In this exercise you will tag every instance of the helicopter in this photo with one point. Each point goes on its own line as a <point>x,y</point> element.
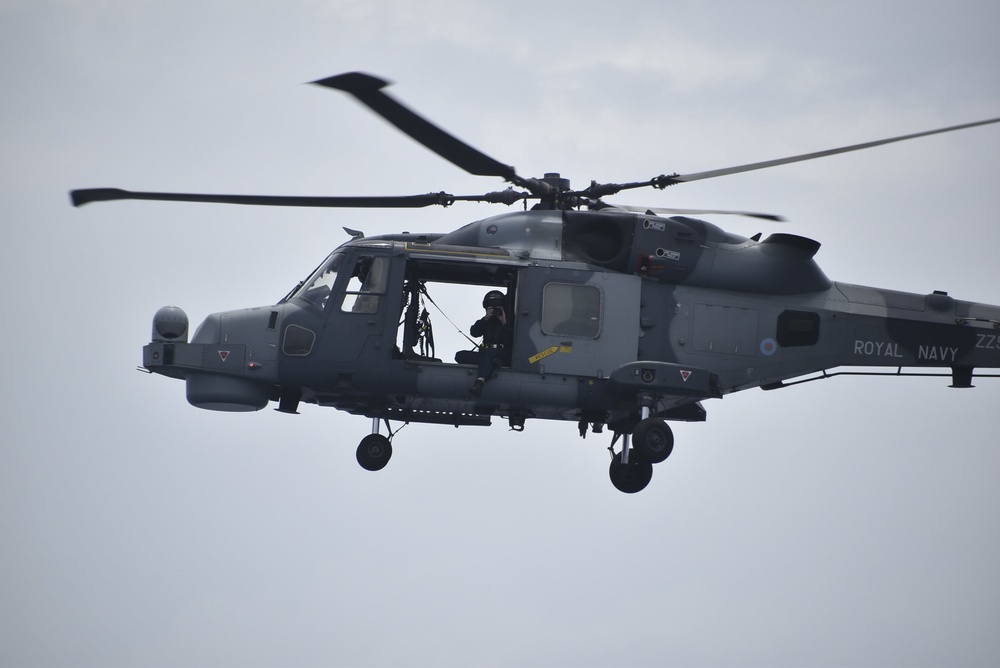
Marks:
<point>618,318</point>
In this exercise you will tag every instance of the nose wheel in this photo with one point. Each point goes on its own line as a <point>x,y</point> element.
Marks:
<point>375,449</point>
<point>374,452</point>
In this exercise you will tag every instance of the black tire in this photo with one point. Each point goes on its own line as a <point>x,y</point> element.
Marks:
<point>374,452</point>
<point>632,477</point>
<point>653,440</point>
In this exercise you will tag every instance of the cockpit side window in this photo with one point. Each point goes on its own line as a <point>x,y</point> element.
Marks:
<point>316,289</point>
<point>367,285</point>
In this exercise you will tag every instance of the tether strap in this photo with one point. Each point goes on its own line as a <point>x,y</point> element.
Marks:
<point>423,289</point>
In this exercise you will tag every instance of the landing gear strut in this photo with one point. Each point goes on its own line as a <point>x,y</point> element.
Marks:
<point>375,449</point>
<point>652,441</point>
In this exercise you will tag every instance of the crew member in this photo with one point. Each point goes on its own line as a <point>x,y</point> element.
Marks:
<point>495,328</point>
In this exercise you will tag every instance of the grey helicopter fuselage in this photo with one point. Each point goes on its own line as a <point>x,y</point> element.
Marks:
<point>611,311</point>
<point>609,317</point>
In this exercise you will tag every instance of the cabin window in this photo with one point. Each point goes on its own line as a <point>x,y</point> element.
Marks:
<point>798,328</point>
<point>366,285</point>
<point>570,309</point>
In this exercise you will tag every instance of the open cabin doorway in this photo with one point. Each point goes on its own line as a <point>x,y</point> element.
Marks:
<point>448,296</point>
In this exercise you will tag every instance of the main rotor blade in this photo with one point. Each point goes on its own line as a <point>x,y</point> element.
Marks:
<point>663,181</point>
<point>81,197</point>
<point>368,90</point>
<point>700,212</point>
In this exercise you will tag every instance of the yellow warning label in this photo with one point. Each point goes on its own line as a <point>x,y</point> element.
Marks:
<point>542,355</point>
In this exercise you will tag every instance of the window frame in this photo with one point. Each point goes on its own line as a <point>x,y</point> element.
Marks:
<point>580,312</point>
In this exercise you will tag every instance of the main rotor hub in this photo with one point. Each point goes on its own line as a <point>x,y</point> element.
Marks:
<point>556,181</point>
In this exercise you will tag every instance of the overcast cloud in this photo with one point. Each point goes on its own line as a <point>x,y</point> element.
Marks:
<point>843,522</point>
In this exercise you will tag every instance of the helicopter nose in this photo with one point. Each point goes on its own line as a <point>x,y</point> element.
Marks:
<point>231,362</point>
<point>251,332</point>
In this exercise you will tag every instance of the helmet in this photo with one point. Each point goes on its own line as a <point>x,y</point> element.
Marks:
<point>493,298</point>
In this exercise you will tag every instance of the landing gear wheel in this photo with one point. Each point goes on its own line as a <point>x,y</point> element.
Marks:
<point>632,477</point>
<point>374,452</point>
<point>653,440</point>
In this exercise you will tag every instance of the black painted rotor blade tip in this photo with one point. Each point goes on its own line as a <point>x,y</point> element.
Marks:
<point>88,195</point>
<point>352,81</point>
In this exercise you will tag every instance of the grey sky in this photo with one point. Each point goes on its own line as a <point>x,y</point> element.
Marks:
<point>844,522</point>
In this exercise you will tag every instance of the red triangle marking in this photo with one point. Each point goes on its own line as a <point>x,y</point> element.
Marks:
<point>223,354</point>
<point>685,375</point>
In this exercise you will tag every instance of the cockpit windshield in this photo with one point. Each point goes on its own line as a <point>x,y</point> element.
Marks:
<point>316,289</point>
